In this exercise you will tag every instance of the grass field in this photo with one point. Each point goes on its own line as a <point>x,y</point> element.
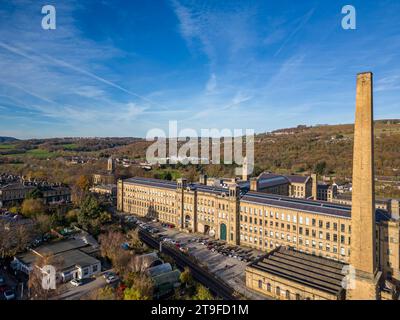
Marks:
<point>7,146</point>
<point>41,153</point>
<point>70,146</point>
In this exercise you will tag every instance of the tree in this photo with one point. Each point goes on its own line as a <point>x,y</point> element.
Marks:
<point>141,289</point>
<point>106,293</point>
<point>202,293</point>
<point>134,294</point>
<point>32,207</point>
<point>90,214</point>
<point>320,167</point>
<point>134,240</point>
<point>35,283</point>
<point>80,189</point>
<point>110,247</point>
<point>83,183</point>
<point>14,238</point>
<point>34,194</point>
<point>72,216</point>
<point>43,223</point>
<point>186,277</point>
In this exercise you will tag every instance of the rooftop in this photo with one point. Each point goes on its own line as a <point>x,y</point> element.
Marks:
<point>60,246</point>
<point>306,205</point>
<point>315,272</point>
<point>67,254</point>
<point>285,202</point>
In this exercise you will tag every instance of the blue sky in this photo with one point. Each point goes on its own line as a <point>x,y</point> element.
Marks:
<point>121,68</point>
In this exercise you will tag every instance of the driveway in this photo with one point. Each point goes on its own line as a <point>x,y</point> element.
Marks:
<point>70,292</point>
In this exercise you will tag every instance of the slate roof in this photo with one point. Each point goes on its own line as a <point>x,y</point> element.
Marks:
<point>297,179</point>
<point>152,182</point>
<point>315,272</point>
<point>306,205</point>
<point>312,206</point>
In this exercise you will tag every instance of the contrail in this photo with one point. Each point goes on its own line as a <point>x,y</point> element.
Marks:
<point>72,67</point>
<point>303,21</point>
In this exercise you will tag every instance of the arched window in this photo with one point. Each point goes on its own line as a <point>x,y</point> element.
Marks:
<point>268,287</point>
<point>297,296</point>
<point>287,294</point>
<point>260,284</point>
<point>278,291</point>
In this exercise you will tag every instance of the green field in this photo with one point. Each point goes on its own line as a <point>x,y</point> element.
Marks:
<point>41,153</point>
<point>70,146</point>
<point>7,146</point>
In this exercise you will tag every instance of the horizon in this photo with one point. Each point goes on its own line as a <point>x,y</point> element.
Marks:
<point>108,70</point>
<point>182,136</point>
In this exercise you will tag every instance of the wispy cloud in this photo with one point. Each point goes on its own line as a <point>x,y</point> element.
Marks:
<point>211,83</point>
<point>302,22</point>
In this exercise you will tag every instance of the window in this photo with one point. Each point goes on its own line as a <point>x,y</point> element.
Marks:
<point>260,284</point>
<point>287,294</point>
<point>297,296</point>
<point>268,287</point>
<point>278,291</point>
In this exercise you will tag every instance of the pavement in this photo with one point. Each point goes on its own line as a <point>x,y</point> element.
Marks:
<point>70,292</point>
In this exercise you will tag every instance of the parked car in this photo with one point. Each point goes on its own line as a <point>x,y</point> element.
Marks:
<point>125,246</point>
<point>112,279</point>
<point>9,295</point>
<point>76,282</point>
<point>108,274</point>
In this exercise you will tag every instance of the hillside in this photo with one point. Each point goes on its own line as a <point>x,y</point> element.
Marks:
<point>7,139</point>
<point>326,149</point>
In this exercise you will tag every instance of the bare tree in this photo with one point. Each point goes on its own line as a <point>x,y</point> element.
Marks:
<point>37,291</point>
<point>14,238</point>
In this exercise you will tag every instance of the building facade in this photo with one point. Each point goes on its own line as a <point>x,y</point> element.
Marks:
<point>15,193</point>
<point>287,185</point>
<point>257,220</point>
